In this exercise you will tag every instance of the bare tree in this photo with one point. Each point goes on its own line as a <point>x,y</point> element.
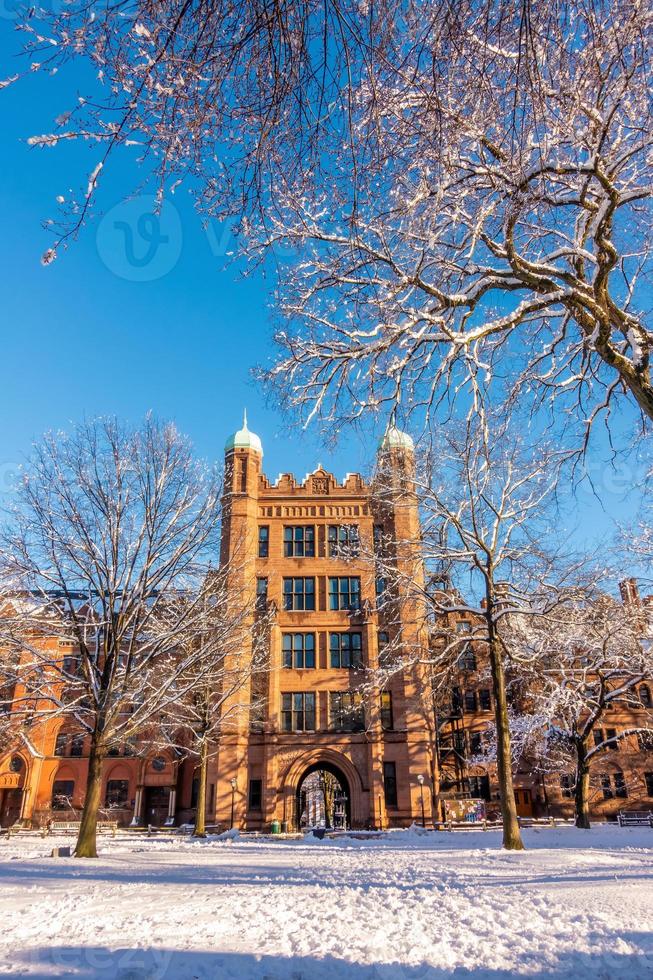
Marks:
<point>590,656</point>
<point>471,234</point>
<point>486,501</point>
<point>458,179</point>
<point>220,685</point>
<point>107,548</point>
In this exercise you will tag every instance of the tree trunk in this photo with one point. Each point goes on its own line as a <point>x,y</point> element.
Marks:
<point>200,812</point>
<point>581,793</point>
<point>511,834</point>
<point>87,839</point>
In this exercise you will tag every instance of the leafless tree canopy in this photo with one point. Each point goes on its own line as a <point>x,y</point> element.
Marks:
<point>106,554</point>
<point>493,231</point>
<point>456,181</point>
<point>107,548</point>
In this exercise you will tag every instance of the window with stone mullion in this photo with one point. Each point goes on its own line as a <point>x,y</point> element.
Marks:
<point>298,711</point>
<point>347,713</point>
<point>299,650</point>
<point>346,650</point>
<point>299,541</point>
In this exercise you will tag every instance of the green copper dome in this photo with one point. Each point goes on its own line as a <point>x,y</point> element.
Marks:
<point>244,439</point>
<point>394,438</point>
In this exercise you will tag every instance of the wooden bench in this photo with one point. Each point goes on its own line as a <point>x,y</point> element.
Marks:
<point>635,818</point>
<point>72,826</point>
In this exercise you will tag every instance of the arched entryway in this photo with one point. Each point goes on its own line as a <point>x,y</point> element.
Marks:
<point>13,775</point>
<point>323,798</point>
<point>338,765</point>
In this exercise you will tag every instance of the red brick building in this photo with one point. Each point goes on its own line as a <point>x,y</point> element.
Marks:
<point>303,553</point>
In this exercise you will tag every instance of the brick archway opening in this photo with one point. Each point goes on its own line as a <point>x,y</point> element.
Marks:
<point>338,765</point>
<point>320,801</point>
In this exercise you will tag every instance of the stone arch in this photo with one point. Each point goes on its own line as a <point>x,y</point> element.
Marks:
<point>118,771</point>
<point>64,773</point>
<point>13,772</point>
<point>332,761</point>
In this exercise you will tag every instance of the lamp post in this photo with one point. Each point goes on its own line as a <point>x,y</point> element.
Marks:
<point>234,783</point>
<point>420,780</point>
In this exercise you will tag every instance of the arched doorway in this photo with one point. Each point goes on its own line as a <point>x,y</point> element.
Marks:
<point>12,783</point>
<point>323,798</point>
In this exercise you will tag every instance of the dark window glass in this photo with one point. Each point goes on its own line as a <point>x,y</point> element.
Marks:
<point>606,787</point>
<point>611,733</point>
<point>344,593</point>
<point>117,794</point>
<point>346,650</point>
<point>347,713</point>
<point>263,541</point>
<point>299,594</point>
<point>476,743</point>
<point>567,785</point>
<point>343,540</point>
<point>62,793</point>
<point>379,542</point>
<point>60,745</point>
<point>479,787</point>
<point>299,650</point>
<point>298,712</point>
<point>384,653</point>
<point>77,745</point>
<point>470,700</point>
<point>460,743</point>
<point>194,792</point>
<point>261,593</point>
<point>456,700</point>
<point>648,777</point>
<point>299,541</point>
<point>71,664</point>
<point>620,788</point>
<point>467,658</point>
<point>255,794</point>
<point>485,699</point>
<point>386,710</point>
<point>645,696</point>
<point>598,736</point>
<point>645,741</point>
<point>390,783</point>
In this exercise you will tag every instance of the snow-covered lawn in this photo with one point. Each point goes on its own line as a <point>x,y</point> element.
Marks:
<point>404,907</point>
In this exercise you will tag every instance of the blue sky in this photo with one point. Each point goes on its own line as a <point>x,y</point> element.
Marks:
<point>103,331</point>
<point>82,337</point>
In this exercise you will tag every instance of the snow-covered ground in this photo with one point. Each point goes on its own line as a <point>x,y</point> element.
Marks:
<point>403,907</point>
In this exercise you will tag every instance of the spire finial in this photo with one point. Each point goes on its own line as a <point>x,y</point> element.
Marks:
<point>245,418</point>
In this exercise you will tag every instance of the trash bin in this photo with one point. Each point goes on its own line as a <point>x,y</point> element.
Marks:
<point>284,826</point>
<point>275,827</point>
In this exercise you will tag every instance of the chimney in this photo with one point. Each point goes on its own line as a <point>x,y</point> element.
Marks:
<point>629,592</point>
